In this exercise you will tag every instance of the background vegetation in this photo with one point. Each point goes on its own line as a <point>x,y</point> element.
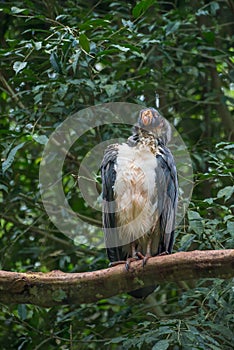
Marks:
<point>59,57</point>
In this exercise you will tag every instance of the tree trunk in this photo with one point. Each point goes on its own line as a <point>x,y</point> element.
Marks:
<point>57,288</point>
<point>216,84</point>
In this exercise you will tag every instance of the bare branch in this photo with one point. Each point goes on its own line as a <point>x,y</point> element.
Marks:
<point>11,92</point>
<point>57,288</point>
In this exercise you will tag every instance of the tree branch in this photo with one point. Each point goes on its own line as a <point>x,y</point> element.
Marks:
<point>57,288</point>
<point>11,92</point>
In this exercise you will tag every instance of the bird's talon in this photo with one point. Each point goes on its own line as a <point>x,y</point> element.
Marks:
<point>164,253</point>
<point>115,263</point>
<point>128,262</point>
<point>140,255</point>
<point>146,258</point>
<point>127,266</point>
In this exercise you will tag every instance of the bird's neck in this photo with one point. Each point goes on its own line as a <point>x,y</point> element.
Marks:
<point>143,138</point>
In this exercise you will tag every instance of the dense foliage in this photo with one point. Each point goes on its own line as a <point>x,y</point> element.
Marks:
<point>60,57</point>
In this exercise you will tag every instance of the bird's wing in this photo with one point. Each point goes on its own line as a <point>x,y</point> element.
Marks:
<point>167,184</point>
<point>108,174</point>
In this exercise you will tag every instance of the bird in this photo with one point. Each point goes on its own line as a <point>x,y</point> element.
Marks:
<point>140,194</point>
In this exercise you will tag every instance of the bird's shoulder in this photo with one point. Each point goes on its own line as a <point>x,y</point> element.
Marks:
<point>110,154</point>
<point>165,156</point>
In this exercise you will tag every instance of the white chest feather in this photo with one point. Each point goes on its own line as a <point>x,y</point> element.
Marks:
<point>135,191</point>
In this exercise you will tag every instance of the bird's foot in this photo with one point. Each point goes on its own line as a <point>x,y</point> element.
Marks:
<point>115,263</point>
<point>138,256</point>
<point>164,253</point>
<point>128,262</point>
<point>125,262</point>
<point>144,258</point>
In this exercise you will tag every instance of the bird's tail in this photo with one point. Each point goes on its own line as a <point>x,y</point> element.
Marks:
<point>142,292</point>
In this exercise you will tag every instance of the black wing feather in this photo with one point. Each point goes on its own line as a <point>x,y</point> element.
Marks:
<point>169,194</point>
<point>108,175</point>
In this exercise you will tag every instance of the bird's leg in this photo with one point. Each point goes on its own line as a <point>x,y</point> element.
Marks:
<point>127,262</point>
<point>140,255</point>
<point>133,257</point>
<point>133,250</point>
<point>148,253</point>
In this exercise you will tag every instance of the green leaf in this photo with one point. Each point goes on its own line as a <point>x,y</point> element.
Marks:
<point>193,215</point>
<point>121,48</point>
<point>141,7</point>
<point>56,64</point>
<point>38,45</point>
<point>230,146</point>
<point>62,92</point>
<point>195,222</point>
<point>214,7</point>
<point>161,345</point>
<point>7,163</point>
<point>16,10</point>
<point>231,73</point>
<point>22,311</point>
<point>172,27</point>
<point>84,43</point>
<point>225,145</point>
<point>209,36</point>
<point>18,66</point>
<point>3,187</point>
<point>59,295</point>
<point>226,192</point>
<point>186,241</point>
<point>42,139</point>
<point>209,200</point>
<point>230,227</point>
<point>75,59</point>
<point>128,24</point>
<point>93,23</point>
<point>111,89</point>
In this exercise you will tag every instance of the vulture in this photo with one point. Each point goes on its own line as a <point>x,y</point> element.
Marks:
<point>140,194</point>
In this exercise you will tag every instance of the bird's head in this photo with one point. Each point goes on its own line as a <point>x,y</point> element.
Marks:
<point>151,120</point>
